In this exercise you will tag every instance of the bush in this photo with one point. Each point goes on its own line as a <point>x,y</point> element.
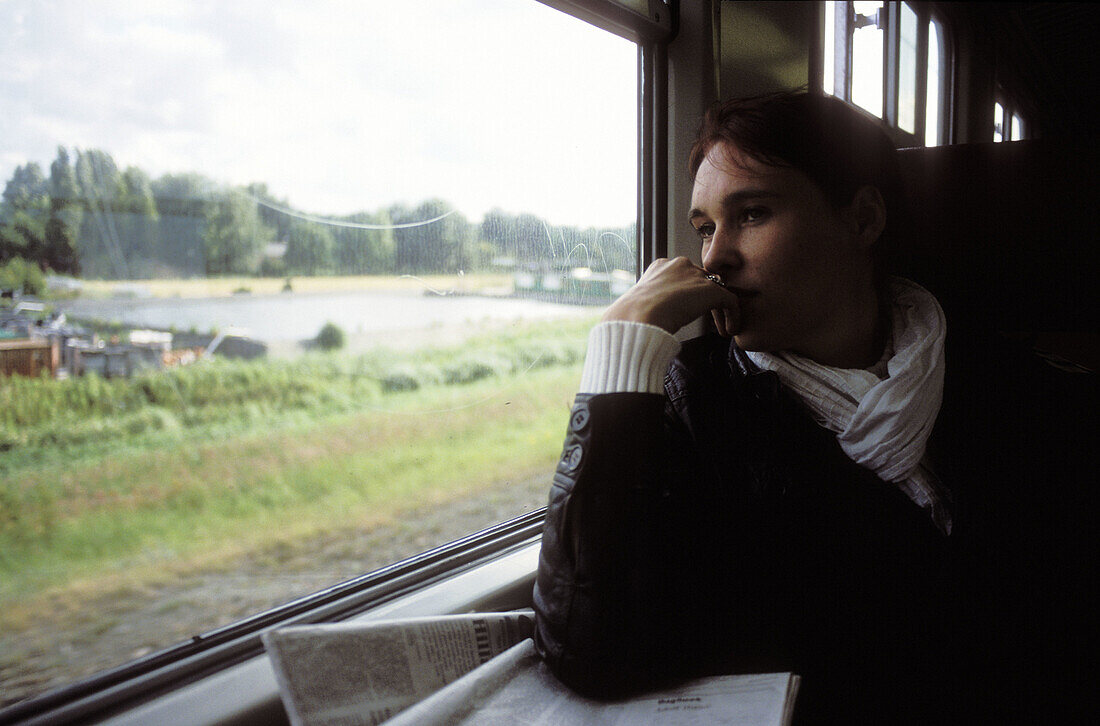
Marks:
<point>22,276</point>
<point>470,369</point>
<point>331,337</point>
<point>401,378</point>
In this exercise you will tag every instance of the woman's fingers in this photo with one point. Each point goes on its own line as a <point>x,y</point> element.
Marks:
<point>671,294</point>
<point>727,321</point>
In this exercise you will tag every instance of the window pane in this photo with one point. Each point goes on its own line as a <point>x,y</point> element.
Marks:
<point>1017,127</point>
<point>907,69</point>
<point>867,60</point>
<point>933,122</point>
<point>321,275</point>
<point>829,47</point>
<point>998,122</point>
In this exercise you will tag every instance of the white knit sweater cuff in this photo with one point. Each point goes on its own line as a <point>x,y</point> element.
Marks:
<point>626,357</point>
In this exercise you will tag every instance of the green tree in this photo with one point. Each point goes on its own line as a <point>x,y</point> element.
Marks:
<point>531,240</point>
<point>381,246</point>
<point>498,229</point>
<point>23,214</point>
<point>27,188</point>
<point>618,246</point>
<point>269,209</point>
<point>235,237</point>
<point>181,201</point>
<point>138,223</point>
<point>446,244</point>
<point>366,251</point>
<point>66,215</point>
<point>102,252</point>
<point>22,275</point>
<point>310,248</point>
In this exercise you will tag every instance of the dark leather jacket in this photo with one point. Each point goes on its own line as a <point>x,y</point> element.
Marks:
<point>718,529</point>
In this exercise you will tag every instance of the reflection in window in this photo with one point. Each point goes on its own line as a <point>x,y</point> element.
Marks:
<point>998,122</point>
<point>317,280</point>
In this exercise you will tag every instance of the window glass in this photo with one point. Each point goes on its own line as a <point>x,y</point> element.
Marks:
<point>933,122</point>
<point>998,122</point>
<point>292,290</point>
<point>867,59</point>
<point>829,48</point>
<point>1017,127</point>
<point>907,70</point>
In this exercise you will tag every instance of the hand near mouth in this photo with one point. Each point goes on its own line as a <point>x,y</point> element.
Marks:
<point>674,292</point>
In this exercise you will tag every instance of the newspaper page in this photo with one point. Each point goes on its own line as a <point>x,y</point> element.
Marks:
<point>363,673</point>
<point>516,687</point>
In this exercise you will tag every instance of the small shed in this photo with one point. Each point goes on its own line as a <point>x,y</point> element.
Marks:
<point>28,357</point>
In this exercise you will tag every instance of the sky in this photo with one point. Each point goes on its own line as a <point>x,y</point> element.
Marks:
<point>337,106</point>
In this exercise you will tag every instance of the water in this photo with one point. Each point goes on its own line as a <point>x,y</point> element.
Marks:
<point>299,316</point>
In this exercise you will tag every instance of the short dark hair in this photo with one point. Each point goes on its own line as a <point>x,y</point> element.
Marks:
<point>838,147</point>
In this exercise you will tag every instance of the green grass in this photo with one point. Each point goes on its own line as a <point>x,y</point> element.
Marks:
<point>247,457</point>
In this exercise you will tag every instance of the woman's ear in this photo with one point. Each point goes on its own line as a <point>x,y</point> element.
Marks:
<point>868,215</point>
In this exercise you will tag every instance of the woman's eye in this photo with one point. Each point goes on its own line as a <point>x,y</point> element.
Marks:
<point>753,214</point>
<point>705,231</point>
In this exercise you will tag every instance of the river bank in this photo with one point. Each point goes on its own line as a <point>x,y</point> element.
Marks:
<point>280,319</point>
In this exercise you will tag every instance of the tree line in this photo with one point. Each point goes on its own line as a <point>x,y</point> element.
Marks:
<point>89,218</point>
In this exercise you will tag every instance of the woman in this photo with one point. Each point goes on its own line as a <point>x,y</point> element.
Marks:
<point>762,499</point>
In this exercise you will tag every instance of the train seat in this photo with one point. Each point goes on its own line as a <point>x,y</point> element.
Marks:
<point>1004,235</point>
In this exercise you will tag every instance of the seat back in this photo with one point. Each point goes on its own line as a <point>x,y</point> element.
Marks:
<point>1005,235</point>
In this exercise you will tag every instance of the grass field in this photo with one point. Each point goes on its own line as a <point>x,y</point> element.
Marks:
<point>238,469</point>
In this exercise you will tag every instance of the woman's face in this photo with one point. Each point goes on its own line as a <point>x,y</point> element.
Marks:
<point>800,269</point>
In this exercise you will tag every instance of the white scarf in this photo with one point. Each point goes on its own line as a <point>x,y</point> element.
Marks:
<point>883,424</point>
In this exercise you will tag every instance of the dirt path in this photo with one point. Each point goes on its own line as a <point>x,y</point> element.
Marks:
<point>120,626</point>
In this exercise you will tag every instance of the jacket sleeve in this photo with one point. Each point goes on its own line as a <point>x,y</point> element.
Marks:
<point>599,615</point>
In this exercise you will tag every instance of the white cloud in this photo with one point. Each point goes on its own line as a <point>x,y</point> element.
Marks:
<point>337,106</point>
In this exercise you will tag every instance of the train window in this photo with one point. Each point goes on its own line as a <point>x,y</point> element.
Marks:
<point>312,281</point>
<point>829,50</point>
<point>907,71</point>
<point>1008,124</point>
<point>934,98</point>
<point>867,56</point>
<point>1017,127</point>
<point>889,59</point>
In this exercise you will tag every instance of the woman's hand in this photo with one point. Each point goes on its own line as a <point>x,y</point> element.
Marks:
<point>674,292</point>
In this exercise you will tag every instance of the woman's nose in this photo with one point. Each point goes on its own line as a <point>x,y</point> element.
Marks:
<point>720,253</point>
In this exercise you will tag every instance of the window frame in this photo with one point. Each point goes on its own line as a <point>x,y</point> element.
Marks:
<point>118,693</point>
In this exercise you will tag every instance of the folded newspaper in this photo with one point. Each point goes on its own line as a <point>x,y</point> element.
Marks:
<point>482,669</point>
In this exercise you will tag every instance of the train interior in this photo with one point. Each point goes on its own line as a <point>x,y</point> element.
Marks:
<point>1001,232</point>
